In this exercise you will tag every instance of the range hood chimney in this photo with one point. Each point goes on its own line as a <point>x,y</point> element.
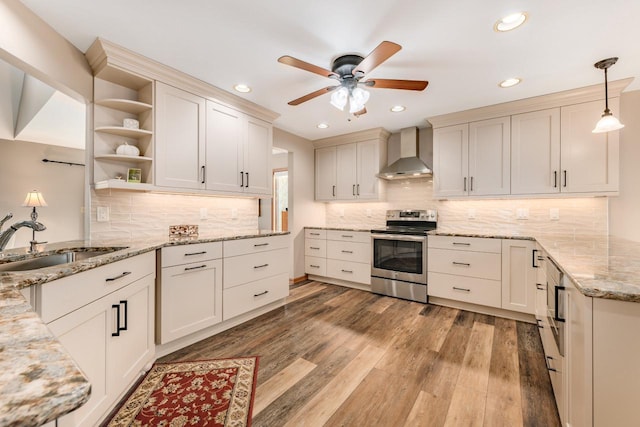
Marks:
<point>409,165</point>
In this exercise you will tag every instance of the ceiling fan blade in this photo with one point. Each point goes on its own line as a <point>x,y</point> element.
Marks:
<point>312,95</point>
<point>361,112</point>
<point>397,84</point>
<point>294,62</point>
<point>380,54</point>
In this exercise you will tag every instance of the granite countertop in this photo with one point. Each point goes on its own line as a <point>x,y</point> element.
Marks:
<point>599,266</point>
<point>39,381</point>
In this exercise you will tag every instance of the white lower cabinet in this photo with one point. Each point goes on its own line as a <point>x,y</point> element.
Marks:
<point>109,336</point>
<point>519,263</point>
<point>189,290</point>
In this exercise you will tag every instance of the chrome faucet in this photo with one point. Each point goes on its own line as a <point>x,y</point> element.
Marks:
<point>6,235</point>
<point>6,218</point>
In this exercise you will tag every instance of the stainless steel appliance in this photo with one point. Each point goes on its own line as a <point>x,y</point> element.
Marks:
<point>399,254</point>
<point>555,304</point>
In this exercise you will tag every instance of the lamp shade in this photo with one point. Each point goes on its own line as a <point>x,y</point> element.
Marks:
<point>607,123</point>
<point>339,98</point>
<point>34,200</point>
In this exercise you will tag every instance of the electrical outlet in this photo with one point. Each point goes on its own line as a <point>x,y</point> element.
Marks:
<point>341,212</point>
<point>234,213</point>
<point>554,214</point>
<point>522,213</point>
<point>204,214</point>
<point>103,213</point>
<point>368,213</point>
<point>471,214</point>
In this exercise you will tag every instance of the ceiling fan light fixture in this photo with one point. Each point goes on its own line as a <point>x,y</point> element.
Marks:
<point>339,98</point>
<point>398,108</point>
<point>243,88</point>
<point>357,100</point>
<point>608,122</point>
<point>510,22</point>
<point>510,82</point>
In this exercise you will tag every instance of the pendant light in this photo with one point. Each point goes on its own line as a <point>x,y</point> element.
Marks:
<point>608,122</point>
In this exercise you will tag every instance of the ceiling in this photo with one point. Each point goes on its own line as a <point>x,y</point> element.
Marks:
<point>451,44</point>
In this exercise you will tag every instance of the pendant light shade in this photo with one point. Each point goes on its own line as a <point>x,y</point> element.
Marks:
<point>608,122</point>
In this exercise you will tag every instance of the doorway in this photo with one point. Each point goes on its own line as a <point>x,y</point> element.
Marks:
<point>280,200</point>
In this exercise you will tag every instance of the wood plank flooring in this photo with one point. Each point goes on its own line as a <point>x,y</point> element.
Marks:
<point>334,356</point>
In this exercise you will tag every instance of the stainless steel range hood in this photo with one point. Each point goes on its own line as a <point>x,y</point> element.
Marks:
<point>409,165</point>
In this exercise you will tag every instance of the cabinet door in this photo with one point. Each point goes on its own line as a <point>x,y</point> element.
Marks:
<point>450,161</point>
<point>224,153</point>
<point>346,174</point>
<point>180,132</point>
<point>535,152</point>
<point>368,157</point>
<point>589,161</point>
<point>326,173</point>
<point>257,157</point>
<point>83,333</point>
<point>489,157</point>
<point>133,348</point>
<point>518,275</point>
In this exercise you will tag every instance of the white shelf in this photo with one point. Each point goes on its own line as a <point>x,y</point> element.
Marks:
<point>120,184</point>
<point>122,131</point>
<point>122,158</point>
<point>126,105</point>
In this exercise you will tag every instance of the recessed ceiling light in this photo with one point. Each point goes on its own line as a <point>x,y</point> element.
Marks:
<point>510,22</point>
<point>242,88</point>
<point>398,108</point>
<point>322,126</point>
<point>509,82</point>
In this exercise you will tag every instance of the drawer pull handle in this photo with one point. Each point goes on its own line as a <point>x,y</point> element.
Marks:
<point>261,266</point>
<point>462,289</point>
<point>260,294</point>
<point>547,360</point>
<point>196,253</point>
<point>314,248</point>
<point>465,264</point>
<point>195,268</point>
<point>461,244</point>
<point>347,271</point>
<point>257,245</point>
<point>347,252</point>
<point>314,266</point>
<point>315,234</point>
<point>124,273</point>
<point>538,321</point>
<point>539,287</point>
<point>347,235</point>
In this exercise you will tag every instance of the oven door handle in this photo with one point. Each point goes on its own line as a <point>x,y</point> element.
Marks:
<point>404,237</point>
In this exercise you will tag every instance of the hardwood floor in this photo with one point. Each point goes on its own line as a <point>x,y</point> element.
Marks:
<point>334,356</point>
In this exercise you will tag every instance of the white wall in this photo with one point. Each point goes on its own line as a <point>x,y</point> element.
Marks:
<point>22,170</point>
<point>624,210</point>
<point>303,210</point>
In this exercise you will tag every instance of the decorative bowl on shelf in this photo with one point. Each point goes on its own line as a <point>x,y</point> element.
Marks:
<point>127,150</point>
<point>131,124</point>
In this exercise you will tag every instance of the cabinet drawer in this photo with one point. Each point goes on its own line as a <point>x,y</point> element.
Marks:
<point>253,245</point>
<point>184,254</point>
<point>315,233</point>
<point>476,244</point>
<point>467,289</point>
<point>349,236</point>
<point>465,263</point>
<point>315,247</point>
<point>242,299</point>
<point>64,295</point>
<point>351,271</point>
<point>349,251</point>
<point>248,268</point>
<point>316,266</point>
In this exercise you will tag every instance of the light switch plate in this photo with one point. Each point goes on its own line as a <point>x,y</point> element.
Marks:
<point>471,214</point>
<point>204,214</point>
<point>522,213</point>
<point>103,213</point>
<point>554,214</point>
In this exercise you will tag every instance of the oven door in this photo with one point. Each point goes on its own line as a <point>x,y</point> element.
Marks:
<point>399,257</point>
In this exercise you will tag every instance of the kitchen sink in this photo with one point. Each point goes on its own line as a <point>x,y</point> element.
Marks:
<point>66,257</point>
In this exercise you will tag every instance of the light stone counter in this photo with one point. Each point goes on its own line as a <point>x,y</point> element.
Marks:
<point>39,381</point>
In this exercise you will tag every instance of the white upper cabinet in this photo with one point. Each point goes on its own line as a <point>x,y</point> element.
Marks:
<point>589,161</point>
<point>257,156</point>
<point>535,152</point>
<point>179,157</point>
<point>223,148</point>
<point>489,157</point>
<point>450,160</point>
<point>346,174</point>
<point>325,173</point>
<point>472,159</point>
<point>367,167</point>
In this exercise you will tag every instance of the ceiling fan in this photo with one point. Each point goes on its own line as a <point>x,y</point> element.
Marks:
<point>349,70</point>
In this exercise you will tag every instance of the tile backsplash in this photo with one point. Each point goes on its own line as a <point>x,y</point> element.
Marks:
<point>495,216</point>
<point>141,215</point>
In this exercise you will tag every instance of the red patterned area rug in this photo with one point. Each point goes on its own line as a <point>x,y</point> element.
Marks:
<point>202,393</point>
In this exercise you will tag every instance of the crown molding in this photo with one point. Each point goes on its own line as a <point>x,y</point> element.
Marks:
<point>542,102</point>
<point>107,58</point>
<point>363,135</point>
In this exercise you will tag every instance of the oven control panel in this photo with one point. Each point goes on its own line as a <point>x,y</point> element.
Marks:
<point>413,215</point>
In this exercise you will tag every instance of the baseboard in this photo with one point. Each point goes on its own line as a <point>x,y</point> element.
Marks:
<point>493,311</point>
<point>298,279</point>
